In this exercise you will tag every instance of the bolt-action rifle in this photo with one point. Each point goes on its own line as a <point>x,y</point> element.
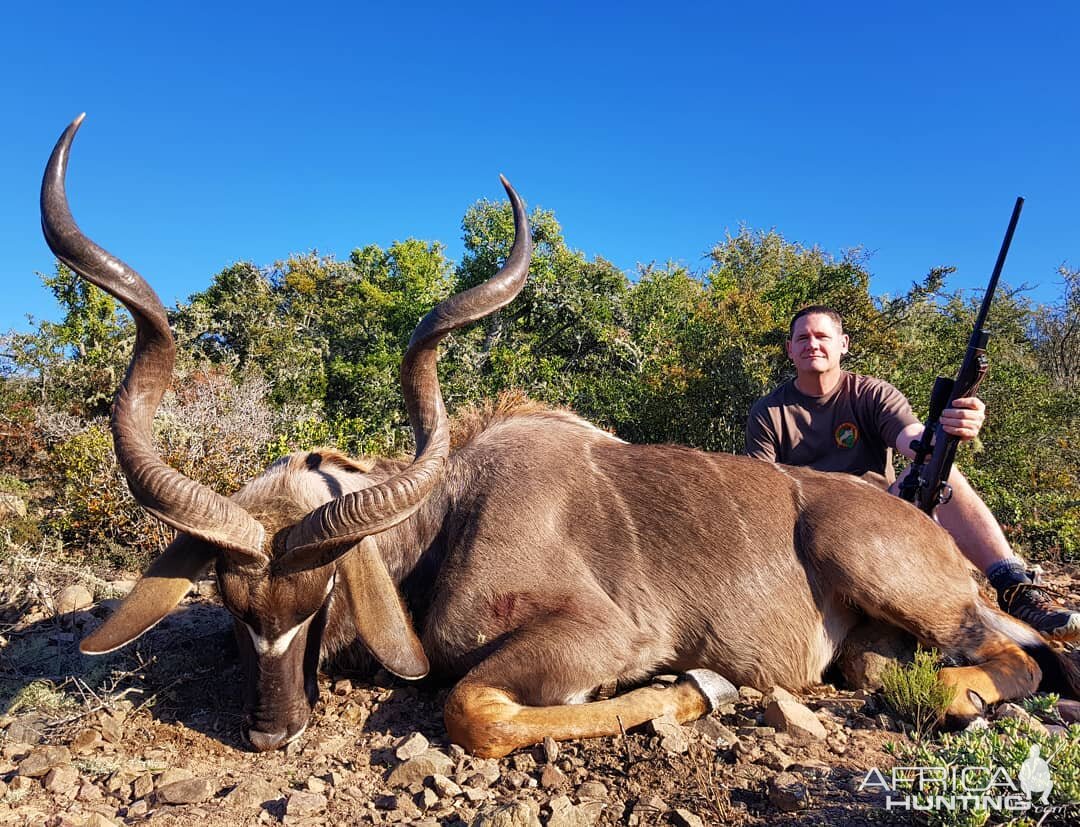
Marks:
<point>927,485</point>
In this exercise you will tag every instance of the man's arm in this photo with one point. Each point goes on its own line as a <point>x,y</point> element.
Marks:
<point>965,420</point>
<point>762,441</point>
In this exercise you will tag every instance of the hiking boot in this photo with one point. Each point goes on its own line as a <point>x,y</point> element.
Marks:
<point>1031,603</point>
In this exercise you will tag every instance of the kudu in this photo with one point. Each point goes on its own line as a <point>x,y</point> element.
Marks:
<point>540,559</point>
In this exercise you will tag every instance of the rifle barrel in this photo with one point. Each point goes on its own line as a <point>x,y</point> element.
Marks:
<point>988,297</point>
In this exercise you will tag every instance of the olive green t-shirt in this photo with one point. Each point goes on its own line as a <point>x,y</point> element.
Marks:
<point>852,429</point>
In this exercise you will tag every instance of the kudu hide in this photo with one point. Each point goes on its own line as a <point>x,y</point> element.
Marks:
<point>540,560</point>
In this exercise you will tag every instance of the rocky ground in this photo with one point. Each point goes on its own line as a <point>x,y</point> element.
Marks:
<point>151,734</point>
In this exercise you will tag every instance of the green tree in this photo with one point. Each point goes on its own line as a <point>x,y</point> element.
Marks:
<point>78,362</point>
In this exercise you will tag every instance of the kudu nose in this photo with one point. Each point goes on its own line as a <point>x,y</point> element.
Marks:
<point>262,741</point>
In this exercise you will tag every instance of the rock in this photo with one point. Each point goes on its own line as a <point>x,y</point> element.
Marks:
<point>775,758</point>
<point>119,785</point>
<point>551,749</point>
<point>475,780</point>
<point>73,598</point>
<point>301,803</point>
<point>315,785</point>
<point>523,762</point>
<point>488,769</point>
<point>796,720</point>
<point>592,791</point>
<point>673,737</point>
<point>1069,711</point>
<point>120,588</point>
<point>427,799</point>
<point>712,728</point>
<point>63,781</point>
<point>342,686</point>
<point>685,818</point>
<point>869,649</point>
<point>89,793</point>
<point>552,777</point>
<point>99,820</point>
<point>142,786</point>
<point>749,695</point>
<point>443,786</point>
<point>43,759</point>
<point>515,780</point>
<point>189,791</point>
<point>138,809</point>
<point>1018,713</point>
<point>174,774</point>
<point>26,729</point>
<point>355,713</point>
<point>650,806</point>
<point>112,727</point>
<point>788,793</point>
<point>518,814</point>
<point>20,783</point>
<point>11,506</point>
<point>411,746</point>
<point>474,794</point>
<point>778,693</point>
<point>86,740</point>
<point>253,792</point>
<point>757,732</point>
<point>416,769</point>
<point>565,814</point>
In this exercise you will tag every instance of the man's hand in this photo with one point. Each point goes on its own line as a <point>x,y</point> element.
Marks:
<point>965,418</point>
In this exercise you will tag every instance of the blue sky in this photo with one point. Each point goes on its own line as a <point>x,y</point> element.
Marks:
<point>260,130</point>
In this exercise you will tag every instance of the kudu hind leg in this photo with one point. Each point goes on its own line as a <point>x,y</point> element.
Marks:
<point>937,601</point>
<point>1002,671</point>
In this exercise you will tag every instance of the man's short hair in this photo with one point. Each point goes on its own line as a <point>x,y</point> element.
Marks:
<point>821,309</point>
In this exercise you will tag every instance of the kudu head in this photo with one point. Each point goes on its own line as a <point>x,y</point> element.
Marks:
<point>283,552</point>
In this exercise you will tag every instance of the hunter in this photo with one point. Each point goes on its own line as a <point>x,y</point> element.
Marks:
<point>832,420</point>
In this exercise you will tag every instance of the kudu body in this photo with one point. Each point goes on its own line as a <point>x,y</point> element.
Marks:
<point>540,560</point>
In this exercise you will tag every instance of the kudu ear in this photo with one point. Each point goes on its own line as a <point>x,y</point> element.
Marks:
<point>380,617</point>
<point>156,594</point>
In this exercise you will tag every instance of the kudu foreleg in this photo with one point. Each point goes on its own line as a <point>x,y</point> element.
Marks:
<point>490,722</point>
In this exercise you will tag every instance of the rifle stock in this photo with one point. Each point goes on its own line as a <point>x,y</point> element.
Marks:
<point>927,484</point>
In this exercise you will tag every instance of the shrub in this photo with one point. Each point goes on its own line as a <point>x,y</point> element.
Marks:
<point>1003,745</point>
<point>211,429</point>
<point>1043,705</point>
<point>13,485</point>
<point>916,692</point>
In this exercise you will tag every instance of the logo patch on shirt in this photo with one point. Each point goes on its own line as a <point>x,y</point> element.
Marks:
<point>846,435</point>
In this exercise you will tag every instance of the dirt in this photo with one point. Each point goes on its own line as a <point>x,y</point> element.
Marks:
<point>153,735</point>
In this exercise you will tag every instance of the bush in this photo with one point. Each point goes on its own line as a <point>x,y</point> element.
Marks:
<point>916,692</point>
<point>212,429</point>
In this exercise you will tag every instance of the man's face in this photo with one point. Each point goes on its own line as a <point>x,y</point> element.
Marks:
<point>816,344</point>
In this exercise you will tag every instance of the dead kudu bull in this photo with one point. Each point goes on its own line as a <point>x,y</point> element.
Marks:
<point>541,559</point>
